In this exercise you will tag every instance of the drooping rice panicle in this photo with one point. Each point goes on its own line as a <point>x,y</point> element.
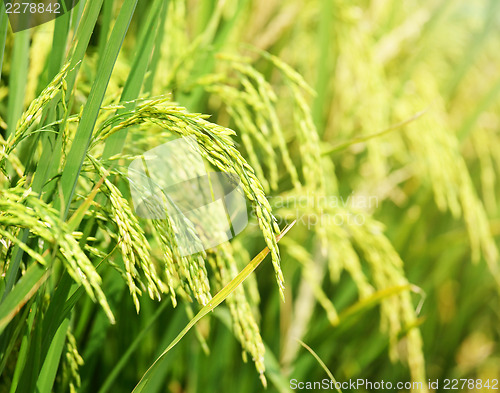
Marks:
<point>20,209</point>
<point>218,149</point>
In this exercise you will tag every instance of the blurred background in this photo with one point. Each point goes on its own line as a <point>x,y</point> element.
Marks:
<point>375,125</point>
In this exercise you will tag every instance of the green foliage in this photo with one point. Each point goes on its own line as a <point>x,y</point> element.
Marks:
<point>373,124</point>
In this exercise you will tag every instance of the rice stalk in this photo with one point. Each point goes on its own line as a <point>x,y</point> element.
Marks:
<point>218,149</point>
<point>21,209</point>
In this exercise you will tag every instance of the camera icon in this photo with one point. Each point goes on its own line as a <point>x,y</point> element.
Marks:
<point>205,208</point>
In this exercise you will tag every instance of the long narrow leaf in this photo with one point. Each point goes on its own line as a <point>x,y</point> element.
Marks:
<point>321,363</point>
<point>91,110</point>
<point>216,300</point>
<point>22,292</point>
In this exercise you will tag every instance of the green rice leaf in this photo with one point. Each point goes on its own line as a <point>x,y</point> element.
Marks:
<point>216,300</point>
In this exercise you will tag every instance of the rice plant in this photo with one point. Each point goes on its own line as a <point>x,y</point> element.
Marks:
<point>364,138</point>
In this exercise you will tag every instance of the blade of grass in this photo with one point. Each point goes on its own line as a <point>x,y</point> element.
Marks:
<point>78,215</point>
<point>155,60</point>
<point>214,35</point>
<point>46,377</point>
<point>12,331</point>
<point>77,14</point>
<point>158,379</point>
<point>132,88</point>
<point>199,334</point>
<point>216,300</point>
<point>4,23</point>
<point>59,40</point>
<point>51,149</point>
<point>29,317</point>
<point>96,328</point>
<point>81,41</point>
<point>50,366</point>
<point>34,277</point>
<point>91,110</point>
<point>30,370</point>
<point>61,306</point>
<point>372,300</point>
<point>17,79</point>
<point>55,322</point>
<point>64,300</point>
<point>365,138</point>
<point>106,23</point>
<point>108,383</point>
<point>322,364</point>
<point>73,224</point>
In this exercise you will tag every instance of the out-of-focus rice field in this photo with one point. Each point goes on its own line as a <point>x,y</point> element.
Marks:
<point>375,125</point>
